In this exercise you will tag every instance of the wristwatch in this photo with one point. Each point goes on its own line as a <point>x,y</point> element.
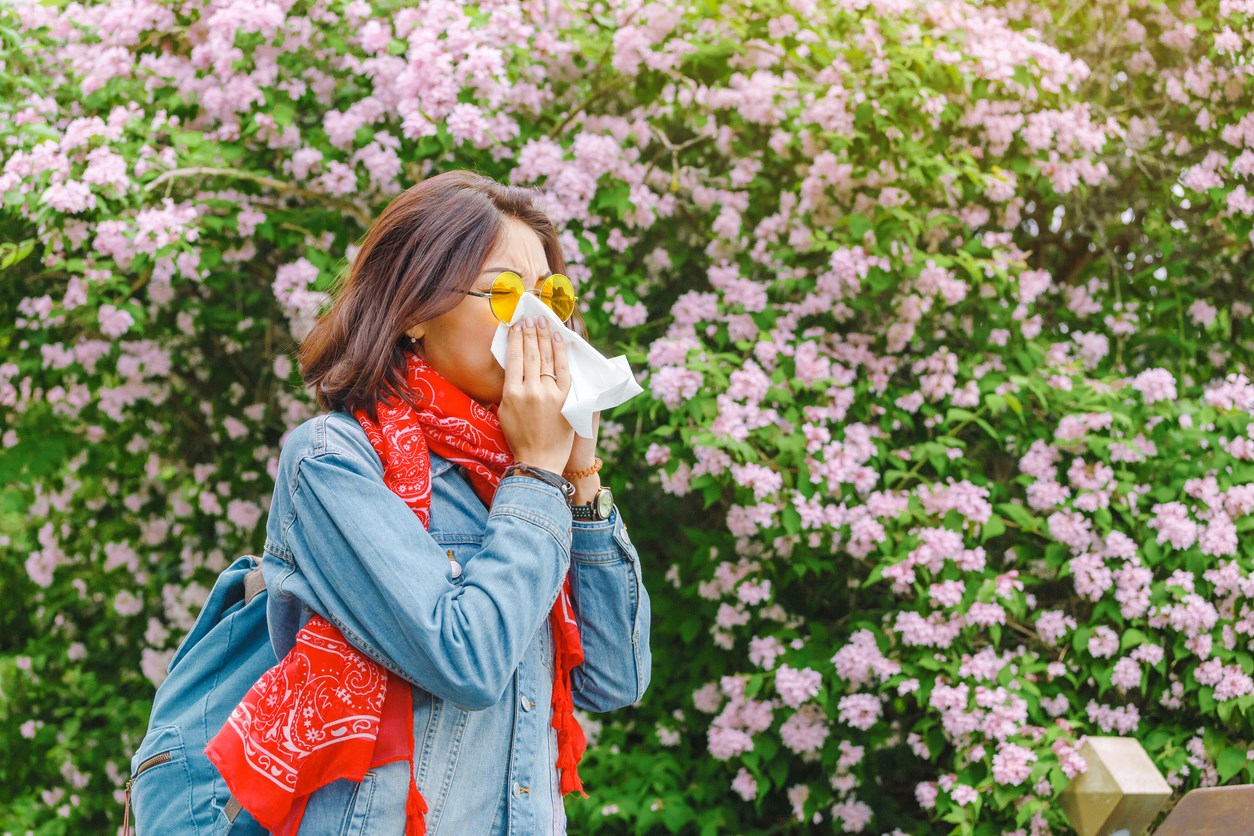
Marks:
<point>548,476</point>
<point>598,509</point>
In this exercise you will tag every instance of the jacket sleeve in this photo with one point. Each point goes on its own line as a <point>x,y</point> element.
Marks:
<point>612,608</point>
<point>373,570</point>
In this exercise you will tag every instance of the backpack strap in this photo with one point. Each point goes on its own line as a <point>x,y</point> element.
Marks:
<point>254,582</point>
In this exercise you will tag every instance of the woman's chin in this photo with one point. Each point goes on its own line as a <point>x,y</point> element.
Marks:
<point>491,400</point>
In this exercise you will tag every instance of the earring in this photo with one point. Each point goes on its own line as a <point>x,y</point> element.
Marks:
<point>413,339</point>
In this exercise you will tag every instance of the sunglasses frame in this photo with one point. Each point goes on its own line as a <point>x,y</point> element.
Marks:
<point>538,291</point>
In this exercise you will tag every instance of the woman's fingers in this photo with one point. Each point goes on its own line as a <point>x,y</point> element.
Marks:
<point>514,357</point>
<point>544,342</point>
<point>530,410</point>
<point>561,362</point>
<point>531,351</point>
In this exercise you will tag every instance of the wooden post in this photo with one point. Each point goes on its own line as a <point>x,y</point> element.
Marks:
<point>1120,790</point>
<point>1212,811</point>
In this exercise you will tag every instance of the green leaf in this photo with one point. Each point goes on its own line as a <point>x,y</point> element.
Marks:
<point>992,528</point>
<point>1017,514</point>
<point>1230,762</point>
<point>11,254</point>
<point>791,520</point>
<point>859,225</point>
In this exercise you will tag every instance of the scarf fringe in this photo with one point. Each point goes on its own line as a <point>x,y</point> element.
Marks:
<point>571,742</point>
<point>415,808</point>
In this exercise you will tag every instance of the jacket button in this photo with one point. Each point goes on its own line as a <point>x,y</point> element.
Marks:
<point>527,704</point>
<point>519,790</point>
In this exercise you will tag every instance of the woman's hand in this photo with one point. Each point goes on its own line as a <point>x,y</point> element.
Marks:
<point>537,378</point>
<point>584,450</point>
<point>583,455</point>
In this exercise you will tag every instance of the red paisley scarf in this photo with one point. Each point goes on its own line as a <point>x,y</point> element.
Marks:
<point>327,711</point>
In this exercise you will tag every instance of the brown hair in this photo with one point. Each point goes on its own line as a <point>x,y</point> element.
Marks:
<point>415,262</point>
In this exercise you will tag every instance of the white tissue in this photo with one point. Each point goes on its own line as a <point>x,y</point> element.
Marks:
<point>597,382</point>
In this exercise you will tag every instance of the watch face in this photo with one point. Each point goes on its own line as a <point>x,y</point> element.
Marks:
<point>604,503</point>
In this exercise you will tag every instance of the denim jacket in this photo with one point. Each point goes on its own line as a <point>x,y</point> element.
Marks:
<point>477,647</point>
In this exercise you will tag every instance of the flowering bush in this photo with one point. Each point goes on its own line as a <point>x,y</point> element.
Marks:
<point>942,309</point>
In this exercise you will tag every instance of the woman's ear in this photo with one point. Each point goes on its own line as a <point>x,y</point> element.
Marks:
<point>416,333</point>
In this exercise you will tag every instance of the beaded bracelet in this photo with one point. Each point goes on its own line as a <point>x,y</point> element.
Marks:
<point>587,471</point>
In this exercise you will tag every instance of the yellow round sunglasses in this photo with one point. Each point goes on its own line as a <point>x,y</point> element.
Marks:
<point>507,289</point>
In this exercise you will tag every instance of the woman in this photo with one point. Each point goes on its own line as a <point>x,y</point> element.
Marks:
<point>441,596</point>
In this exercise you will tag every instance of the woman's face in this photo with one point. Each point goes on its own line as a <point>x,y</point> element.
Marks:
<point>458,343</point>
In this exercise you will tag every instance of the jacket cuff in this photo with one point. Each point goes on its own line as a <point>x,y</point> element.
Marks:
<point>536,502</point>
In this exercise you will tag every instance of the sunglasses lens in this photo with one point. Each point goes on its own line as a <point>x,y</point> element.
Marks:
<point>506,291</point>
<point>559,294</point>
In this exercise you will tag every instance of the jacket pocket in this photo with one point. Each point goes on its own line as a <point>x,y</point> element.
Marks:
<point>161,784</point>
<point>374,806</point>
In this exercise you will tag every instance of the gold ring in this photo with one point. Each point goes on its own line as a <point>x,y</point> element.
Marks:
<point>549,374</point>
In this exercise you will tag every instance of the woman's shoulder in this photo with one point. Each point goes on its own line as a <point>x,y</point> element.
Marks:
<point>338,433</point>
<point>329,432</point>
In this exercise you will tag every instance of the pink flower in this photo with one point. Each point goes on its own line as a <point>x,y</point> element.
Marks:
<point>745,785</point>
<point>805,730</point>
<point>853,814</point>
<point>1055,706</point>
<point>797,686</point>
<point>1171,521</point>
<point>754,593</point>
<point>1193,615</point>
<point>1069,758</point>
<point>707,698</point>
<point>1202,313</point>
<point>963,794</point>
<point>1155,385</point>
<point>1234,683</point>
<point>69,197</point>
<point>1104,642</point>
<point>764,651</point>
<point>763,480</point>
<point>1127,674</point>
<point>858,660</point>
<point>673,386</point>
<point>727,742</point>
<point>947,593</point>
<point>1123,719</point>
<point>243,514</point>
<point>1012,763</point>
<point>154,664</point>
<point>986,614</point>
<point>1052,625</point>
<point>106,168</point>
<point>748,383</point>
<point>859,710</point>
<point>1219,537</point>
<point>114,322</point>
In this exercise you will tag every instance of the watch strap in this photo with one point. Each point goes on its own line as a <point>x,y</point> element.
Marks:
<point>587,512</point>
